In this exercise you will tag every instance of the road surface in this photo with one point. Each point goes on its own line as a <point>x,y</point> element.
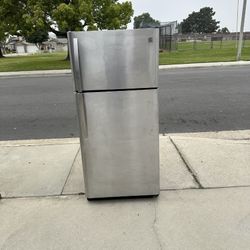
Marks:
<point>191,100</point>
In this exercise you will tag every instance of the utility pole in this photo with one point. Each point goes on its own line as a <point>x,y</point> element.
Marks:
<point>241,30</point>
<point>237,24</point>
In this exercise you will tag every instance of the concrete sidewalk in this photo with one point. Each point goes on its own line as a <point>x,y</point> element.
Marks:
<point>204,201</point>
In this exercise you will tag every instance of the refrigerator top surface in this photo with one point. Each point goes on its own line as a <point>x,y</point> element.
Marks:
<point>113,60</point>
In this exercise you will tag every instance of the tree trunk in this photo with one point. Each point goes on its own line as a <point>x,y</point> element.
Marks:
<point>58,33</point>
<point>61,34</point>
<point>1,52</point>
<point>67,58</point>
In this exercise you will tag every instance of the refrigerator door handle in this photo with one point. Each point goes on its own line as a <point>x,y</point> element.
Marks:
<point>77,69</point>
<point>81,107</point>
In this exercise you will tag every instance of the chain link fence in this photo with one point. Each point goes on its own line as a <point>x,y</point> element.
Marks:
<point>166,38</point>
<point>208,41</point>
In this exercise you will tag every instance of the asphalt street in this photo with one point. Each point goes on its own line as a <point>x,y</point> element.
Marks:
<point>191,100</point>
<point>205,99</point>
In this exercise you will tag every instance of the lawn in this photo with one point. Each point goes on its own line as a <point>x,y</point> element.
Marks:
<point>44,61</point>
<point>187,52</point>
<point>201,52</point>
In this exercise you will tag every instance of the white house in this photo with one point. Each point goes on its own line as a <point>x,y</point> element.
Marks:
<point>20,46</point>
<point>62,44</point>
<point>24,47</point>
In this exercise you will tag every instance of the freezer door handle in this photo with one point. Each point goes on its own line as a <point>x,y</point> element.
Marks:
<point>77,69</point>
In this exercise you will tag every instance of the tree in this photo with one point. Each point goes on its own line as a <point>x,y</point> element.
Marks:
<point>145,20</point>
<point>3,34</point>
<point>200,22</point>
<point>61,16</point>
<point>224,30</point>
<point>37,37</point>
<point>2,40</point>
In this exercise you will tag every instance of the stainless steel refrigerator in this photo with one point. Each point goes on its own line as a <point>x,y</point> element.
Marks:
<point>116,89</point>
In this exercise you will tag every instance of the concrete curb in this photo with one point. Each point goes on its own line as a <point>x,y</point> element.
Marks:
<point>161,67</point>
<point>237,136</point>
<point>204,65</point>
<point>39,142</point>
<point>35,73</point>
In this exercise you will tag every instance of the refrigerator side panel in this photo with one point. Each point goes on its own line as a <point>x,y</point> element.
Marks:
<point>115,59</point>
<point>121,149</point>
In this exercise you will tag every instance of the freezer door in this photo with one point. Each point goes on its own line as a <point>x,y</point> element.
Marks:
<point>120,143</point>
<point>120,59</point>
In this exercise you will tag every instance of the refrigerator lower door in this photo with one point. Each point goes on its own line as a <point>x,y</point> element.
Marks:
<point>120,143</point>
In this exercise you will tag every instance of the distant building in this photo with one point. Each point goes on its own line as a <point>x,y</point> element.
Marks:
<point>62,44</point>
<point>16,44</point>
<point>25,47</point>
<point>55,44</point>
<point>20,46</point>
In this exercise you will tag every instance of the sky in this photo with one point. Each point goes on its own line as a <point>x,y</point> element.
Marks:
<point>177,10</point>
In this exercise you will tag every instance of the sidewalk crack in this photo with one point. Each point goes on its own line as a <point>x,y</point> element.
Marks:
<point>154,227</point>
<point>189,168</point>
<point>71,168</point>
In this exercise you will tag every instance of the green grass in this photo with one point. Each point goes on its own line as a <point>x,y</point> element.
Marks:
<point>200,53</point>
<point>44,61</point>
<point>186,53</point>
